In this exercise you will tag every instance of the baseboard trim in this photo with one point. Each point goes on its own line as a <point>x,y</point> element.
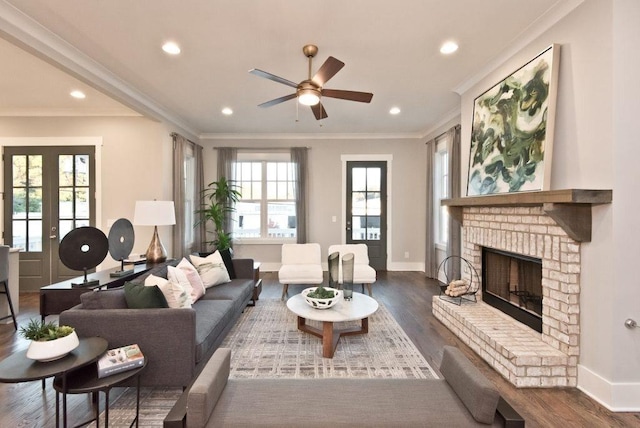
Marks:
<point>616,397</point>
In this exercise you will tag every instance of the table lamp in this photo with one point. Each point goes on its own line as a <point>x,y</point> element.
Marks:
<point>155,213</point>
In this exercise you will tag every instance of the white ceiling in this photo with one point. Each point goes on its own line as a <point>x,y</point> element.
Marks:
<point>113,48</point>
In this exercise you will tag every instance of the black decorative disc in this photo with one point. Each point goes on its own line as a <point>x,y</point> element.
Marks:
<point>83,248</point>
<point>121,238</point>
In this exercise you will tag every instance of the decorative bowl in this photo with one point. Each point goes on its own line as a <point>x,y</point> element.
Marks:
<point>322,303</point>
<point>51,350</point>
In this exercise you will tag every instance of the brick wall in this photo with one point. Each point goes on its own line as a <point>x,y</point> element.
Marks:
<point>525,357</point>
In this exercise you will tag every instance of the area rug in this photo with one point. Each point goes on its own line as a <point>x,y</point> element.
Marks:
<point>266,343</point>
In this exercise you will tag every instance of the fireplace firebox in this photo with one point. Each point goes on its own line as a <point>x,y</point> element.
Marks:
<point>512,283</point>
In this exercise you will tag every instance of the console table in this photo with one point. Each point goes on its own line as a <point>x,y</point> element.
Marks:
<point>61,296</point>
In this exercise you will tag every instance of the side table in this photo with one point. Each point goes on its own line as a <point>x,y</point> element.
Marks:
<point>86,380</point>
<point>18,368</point>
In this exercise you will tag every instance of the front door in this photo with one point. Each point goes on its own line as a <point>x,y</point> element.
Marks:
<point>49,191</point>
<point>367,209</point>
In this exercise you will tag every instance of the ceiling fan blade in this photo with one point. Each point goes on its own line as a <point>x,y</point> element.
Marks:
<point>329,69</point>
<point>361,97</point>
<point>273,77</point>
<point>277,101</point>
<point>319,112</point>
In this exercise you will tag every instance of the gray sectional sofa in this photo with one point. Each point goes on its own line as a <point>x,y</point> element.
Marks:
<point>464,398</point>
<point>176,342</point>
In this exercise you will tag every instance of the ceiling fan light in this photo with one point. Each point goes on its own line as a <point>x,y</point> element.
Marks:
<point>308,97</point>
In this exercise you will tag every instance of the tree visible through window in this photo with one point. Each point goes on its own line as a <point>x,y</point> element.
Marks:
<point>266,209</point>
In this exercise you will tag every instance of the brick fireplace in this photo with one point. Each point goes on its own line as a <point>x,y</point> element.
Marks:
<point>540,225</point>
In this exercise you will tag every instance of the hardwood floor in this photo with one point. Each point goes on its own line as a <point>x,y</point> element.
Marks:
<point>407,295</point>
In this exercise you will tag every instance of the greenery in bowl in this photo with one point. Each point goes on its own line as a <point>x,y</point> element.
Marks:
<point>321,293</point>
<point>40,331</point>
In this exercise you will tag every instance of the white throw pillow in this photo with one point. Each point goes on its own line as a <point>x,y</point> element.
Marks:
<point>211,269</point>
<point>176,296</point>
<point>197,287</point>
<point>178,276</point>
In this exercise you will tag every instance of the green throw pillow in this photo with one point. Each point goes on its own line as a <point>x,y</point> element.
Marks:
<point>140,296</point>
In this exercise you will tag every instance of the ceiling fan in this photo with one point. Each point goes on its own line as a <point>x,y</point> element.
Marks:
<point>310,91</point>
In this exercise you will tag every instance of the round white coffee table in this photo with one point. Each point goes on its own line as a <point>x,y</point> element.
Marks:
<point>360,307</point>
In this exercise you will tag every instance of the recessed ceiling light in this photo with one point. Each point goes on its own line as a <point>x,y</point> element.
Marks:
<point>394,110</point>
<point>448,48</point>
<point>78,94</point>
<point>171,48</point>
<point>227,111</point>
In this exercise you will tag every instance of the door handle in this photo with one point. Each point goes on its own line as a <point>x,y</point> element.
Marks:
<point>53,236</point>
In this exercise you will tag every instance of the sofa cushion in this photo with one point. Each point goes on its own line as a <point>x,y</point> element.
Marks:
<point>104,299</point>
<point>340,402</point>
<point>212,317</point>
<point>476,392</point>
<point>139,296</point>
<point>211,269</point>
<point>300,274</point>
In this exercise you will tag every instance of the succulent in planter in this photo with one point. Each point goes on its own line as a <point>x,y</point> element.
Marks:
<point>48,340</point>
<point>40,331</point>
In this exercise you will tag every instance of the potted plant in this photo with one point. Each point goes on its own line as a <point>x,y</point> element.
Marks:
<point>218,201</point>
<point>48,340</point>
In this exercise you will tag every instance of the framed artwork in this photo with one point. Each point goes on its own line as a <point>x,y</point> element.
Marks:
<point>512,130</point>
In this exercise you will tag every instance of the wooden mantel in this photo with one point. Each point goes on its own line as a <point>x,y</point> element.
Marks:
<point>570,208</point>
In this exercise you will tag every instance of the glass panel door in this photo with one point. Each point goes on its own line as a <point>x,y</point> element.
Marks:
<point>366,209</point>
<point>49,191</point>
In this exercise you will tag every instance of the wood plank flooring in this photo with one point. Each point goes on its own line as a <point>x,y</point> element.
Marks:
<point>407,295</point>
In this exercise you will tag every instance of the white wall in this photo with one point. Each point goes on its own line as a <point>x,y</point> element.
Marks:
<point>325,190</point>
<point>594,149</point>
<point>136,163</point>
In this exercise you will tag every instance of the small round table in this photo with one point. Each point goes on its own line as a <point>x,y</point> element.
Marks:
<point>18,368</point>
<point>86,380</point>
<point>360,307</point>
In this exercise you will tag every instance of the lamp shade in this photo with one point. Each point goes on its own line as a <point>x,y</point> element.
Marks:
<point>154,213</point>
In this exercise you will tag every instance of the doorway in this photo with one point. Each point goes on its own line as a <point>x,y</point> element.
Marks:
<point>49,191</point>
<point>366,209</point>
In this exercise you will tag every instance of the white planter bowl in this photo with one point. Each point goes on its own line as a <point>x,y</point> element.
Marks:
<point>52,349</point>
<point>322,303</point>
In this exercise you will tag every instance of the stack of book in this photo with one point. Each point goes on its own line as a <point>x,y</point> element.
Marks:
<point>119,360</point>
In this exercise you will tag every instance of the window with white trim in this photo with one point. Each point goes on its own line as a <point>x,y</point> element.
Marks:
<point>267,208</point>
<point>441,191</point>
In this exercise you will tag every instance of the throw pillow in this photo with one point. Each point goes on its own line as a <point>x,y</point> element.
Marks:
<point>226,258</point>
<point>175,295</point>
<point>211,269</point>
<point>197,287</point>
<point>138,296</point>
<point>179,277</point>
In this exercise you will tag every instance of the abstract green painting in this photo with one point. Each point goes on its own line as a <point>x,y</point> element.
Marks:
<point>512,130</point>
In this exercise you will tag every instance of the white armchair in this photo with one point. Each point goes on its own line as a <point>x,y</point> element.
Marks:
<point>362,272</point>
<point>301,264</point>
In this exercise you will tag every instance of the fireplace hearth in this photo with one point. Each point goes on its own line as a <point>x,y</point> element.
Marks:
<point>512,283</point>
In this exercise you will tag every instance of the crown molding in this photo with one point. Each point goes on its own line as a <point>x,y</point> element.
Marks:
<point>69,112</point>
<point>27,33</point>
<point>310,136</point>
<point>528,35</point>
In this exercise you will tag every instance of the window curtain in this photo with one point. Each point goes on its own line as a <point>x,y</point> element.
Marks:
<point>180,147</point>
<point>300,169</point>
<point>430,268</point>
<point>453,249</point>
<point>227,158</point>
<point>454,239</point>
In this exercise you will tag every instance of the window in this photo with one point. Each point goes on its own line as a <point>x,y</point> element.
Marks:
<point>267,207</point>
<point>441,191</point>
